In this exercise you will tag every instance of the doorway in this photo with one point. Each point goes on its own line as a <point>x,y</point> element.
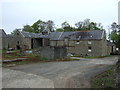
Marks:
<point>18,47</point>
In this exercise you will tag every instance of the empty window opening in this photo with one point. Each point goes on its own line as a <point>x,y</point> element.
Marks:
<point>66,42</point>
<point>18,42</point>
<point>89,49</point>
<point>89,42</point>
<point>17,33</point>
<point>78,42</point>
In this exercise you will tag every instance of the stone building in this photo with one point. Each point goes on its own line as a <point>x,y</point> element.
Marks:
<point>3,40</point>
<point>83,43</point>
<point>27,40</point>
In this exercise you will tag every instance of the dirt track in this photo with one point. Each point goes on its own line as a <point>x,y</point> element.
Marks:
<point>68,74</point>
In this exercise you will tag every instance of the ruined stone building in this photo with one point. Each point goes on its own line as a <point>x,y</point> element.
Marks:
<point>4,40</point>
<point>82,43</point>
<point>28,40</point>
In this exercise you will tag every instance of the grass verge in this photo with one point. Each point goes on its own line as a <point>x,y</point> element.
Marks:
<point>92,57</point>
<point>104,80</point>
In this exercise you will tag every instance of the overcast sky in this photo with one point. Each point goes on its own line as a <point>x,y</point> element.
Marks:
<point>16,13</point>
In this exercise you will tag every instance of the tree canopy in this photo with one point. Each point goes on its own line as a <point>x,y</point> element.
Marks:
<point>81,25</point>
<point>115,34</point>
<point>39,26</point>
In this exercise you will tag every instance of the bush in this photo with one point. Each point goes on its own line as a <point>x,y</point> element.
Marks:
<point>43,58</point>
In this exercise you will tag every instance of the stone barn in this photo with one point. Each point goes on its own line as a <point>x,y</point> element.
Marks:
<point>82,43</point>
<point>3,40</point>
<point>29,40</point>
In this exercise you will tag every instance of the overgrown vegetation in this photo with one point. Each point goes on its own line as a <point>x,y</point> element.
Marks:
<point>92,57</point>
<point>27,58</point>
<point>104,80</point>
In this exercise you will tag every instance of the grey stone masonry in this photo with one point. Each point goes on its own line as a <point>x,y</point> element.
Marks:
<point>51,52</point>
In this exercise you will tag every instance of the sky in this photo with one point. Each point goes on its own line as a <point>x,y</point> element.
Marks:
<point>17,13</point>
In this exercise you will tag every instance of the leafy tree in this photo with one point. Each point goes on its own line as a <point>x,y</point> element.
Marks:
<point>87,25</point>
<point>59,30</point>
<point>39,26</point>
<point>115,34</point>
<point>66,27</point>
<point>50,25</point>
<point>79,25</point>
<point>114,26</point>
<point>13,32</point>
<point>28,28</point>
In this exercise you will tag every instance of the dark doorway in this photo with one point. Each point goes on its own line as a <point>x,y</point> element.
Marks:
<point>112,49</point>
<point>31,43</point>
<point>18,47</point>
<point>38,42</point>
<point>8,46</point>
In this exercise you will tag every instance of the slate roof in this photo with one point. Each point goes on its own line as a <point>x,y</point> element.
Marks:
<point>10,35</point>
<point>59,35</point>
<point>33,35</point>
<point>3,34</point>
<point>78,35</point>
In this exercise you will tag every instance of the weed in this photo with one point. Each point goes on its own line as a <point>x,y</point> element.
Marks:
<point>105,79</point>
<point>43,58</point>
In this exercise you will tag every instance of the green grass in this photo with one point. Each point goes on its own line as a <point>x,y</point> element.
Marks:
<point>32,55</point>
<point>104,80</point>
<point>43,59</point>
<point>2,51</point>
<point>92,57</point>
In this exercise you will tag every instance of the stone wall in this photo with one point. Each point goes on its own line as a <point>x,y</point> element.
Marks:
<point>20,41</point>
<point>51,52</point>
<point>109,49</point>
<point>4,43</point>
<point>0,43</point>
<point>81,48</point>
<point>46,42</point>
<point>98,47</point>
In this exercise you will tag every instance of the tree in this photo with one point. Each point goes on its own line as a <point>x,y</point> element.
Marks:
<point>39,26</point>
<point>114,26</point>
<point>79,25</point>
<point>59,30</point>
<point>13,32</point>
<point>66,27</point>
<point>115,35</point>
<point>28,28</point>
<point>87,25</point>
<point>50,25</point>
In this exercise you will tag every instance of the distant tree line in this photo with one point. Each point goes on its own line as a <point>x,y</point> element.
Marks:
<point>40,26</point>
